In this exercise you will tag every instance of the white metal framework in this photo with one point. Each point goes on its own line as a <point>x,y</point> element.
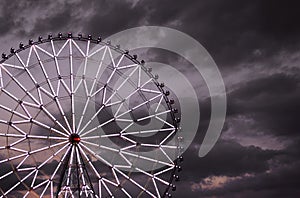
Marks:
<point>82,118</point>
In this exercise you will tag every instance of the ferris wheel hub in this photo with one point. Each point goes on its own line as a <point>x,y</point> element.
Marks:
<point>74,138</point>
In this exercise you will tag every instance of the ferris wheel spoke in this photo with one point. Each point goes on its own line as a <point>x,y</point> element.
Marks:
<point>120,60</point>
<point>109,182</point>
<point>138,156</point>
<point>27,71</point>
<point>60,163</point>
<point>43,50</point>
<point>80,166</point>
<point>22,104</point>
<point>12,96</point>
<point>47,127</point>
<point>150,91</point>
<point>164,121</point>
<point>13,66</point>
<point>98,71</point>
<point>126,66</point>
<point>138,88</point>
<point>115,176</point>
<point>128,139</point>
<point>55,57</point>
<point>114,103</point>
<point>22,161</point>
<point>14,113</point>
<point>104,95</point>
<point>106,187</point>
<point>152,176</point>
<point>124,120</point>
<point>53,155</point>
<point>47,185</point>
<point>78,85</point>
<point>100,179</point>
<point>166,155</point>
<point>1,79</point>
<point>6,175</point>
<point>91,119</point>
<point>18,142</point>
<point>20,85</point>
<point>96,51</point>
<point>168,137</point>
<point>86,56</point>
<point>17,149</point>
<point>96,92</point>
<point>85,86</point>
<point>121,85</point>
<point>87,184</point>
<point>17,128</point>
<point>139,76</point>
<point>18,183</point>
<point>89,162</point>
<point>127,127</point>
<point>119,108</point>
<point>135,183</point>
<point>34,178</point>
<point>153,115</point>
<point>70,166</point>
<point>46,148</point>
<point>90,143</point>
<point>111,58</point>
<point>88,94</point>
<point>13,158</point>
<point>156,188</point>
<point>96,155</point>
<point>147,131</point>
<point>159,103</point>
<point>65,86</point>
<point>50,95</point>
<point>139,105</point>
<point>78,48</point>
<point>164,171</point>
<point>72,86</point>
<point>97,127</point>
<point>26,65</point>
<point>62,112</point>
<point>111,75</point>
<point>39,137</point>
<point>62,47</point>
<point>101,146</point>
<point>43,69</point>
<point>55,120</point>
<point>40,184</point>
<point>82,114</point>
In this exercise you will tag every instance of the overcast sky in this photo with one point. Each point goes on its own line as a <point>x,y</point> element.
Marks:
<point>256,45</point>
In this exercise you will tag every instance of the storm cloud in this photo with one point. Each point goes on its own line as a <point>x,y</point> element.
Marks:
<point>256,46</point>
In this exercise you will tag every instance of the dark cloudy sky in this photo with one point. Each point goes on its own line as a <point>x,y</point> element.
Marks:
<point>255,43</point>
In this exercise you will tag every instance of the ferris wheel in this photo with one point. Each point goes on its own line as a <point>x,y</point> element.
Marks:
<point>80,117</point>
